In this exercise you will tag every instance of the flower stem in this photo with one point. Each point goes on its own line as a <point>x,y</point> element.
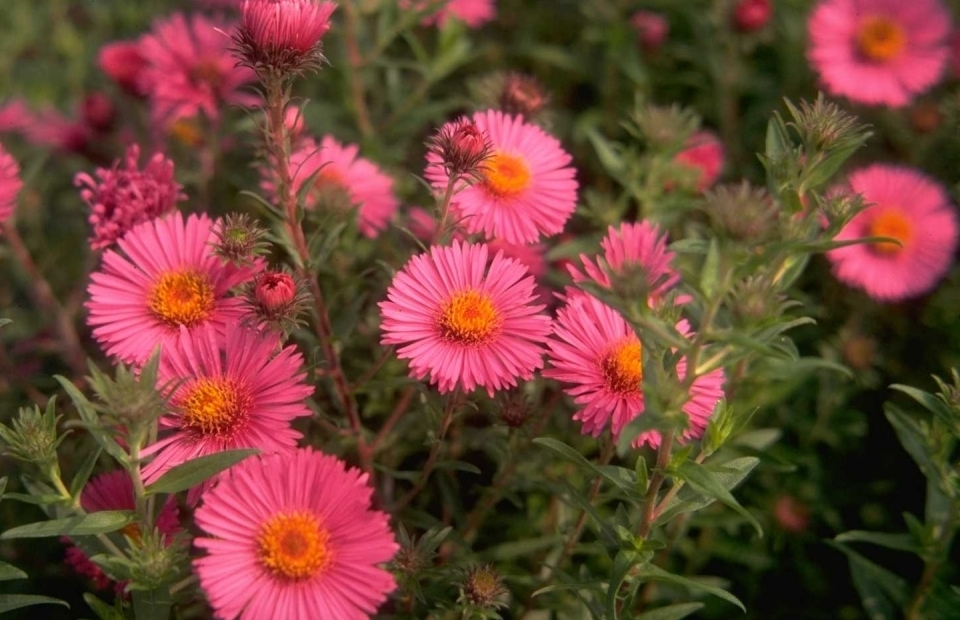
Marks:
<point>355,61</point>
<point>452,405</point>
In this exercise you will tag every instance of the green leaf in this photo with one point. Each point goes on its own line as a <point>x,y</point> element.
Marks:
<point>47,499</point>
<point>152,604</point>
<point>730,474</point>
<point>622,564</point>
<point>103,611</point>
<point>622,478</point>
<point>655,572</point>
<point>710,272</point>
<point>88,414</point>
<point>704,481</point>
<point>903,542</point>
<point>882,593</point>
<point>9,572</point>
<point>9,602</point>
<point>459,466</point>
<point>80,525</point>
<point>606,151</point>
<point>83,474</point>
<point>913,440</point>
<point>671,612</point>
<point>192,473</point>
<point>3,486</point>
<point>643,477</point>
<point>936,406</point>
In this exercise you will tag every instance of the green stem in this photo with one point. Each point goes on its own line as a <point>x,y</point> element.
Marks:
<point>452,405</point>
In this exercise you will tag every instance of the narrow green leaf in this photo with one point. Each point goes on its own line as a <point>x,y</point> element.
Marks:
<point>643,477</point>
<point>730,474</point>
<point>655,572</point>
<point>671,612</point>
<point>83,474</point>
<point>80,525</point>
<point>882,593</point>
<point>9,602</point>
<point>47,499</point>
<point>704,481</point>
<point>103,611</point>
<point>91,421</point>
<point>9,572</point>
<point>152,604</point>
<point>903,542</point>
<point>936,406</point>
<point>622,478</point>
<point>459,466</point>
<point>710,272</point>
<point>913,440</point>
<point>611,161</point>
<point>192,473</point>
<point>622,564</point>
<point>3,486</point>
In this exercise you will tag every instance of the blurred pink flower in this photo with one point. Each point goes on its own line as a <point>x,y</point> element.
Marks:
<point>703,153</point>
<point>122,197</point>
<point>751,15</point>
<point>652,29</point>
<point>125,64</point>
<point>473,13</point>
<point>528,187</point>
<point>465,321</point>
<point>14,116</point>
<point>879,52</point>
<point>50,128</point>
<point>294,537</point>
<point>10,184</point>
<point>191,70</point>
<point>906,205</point>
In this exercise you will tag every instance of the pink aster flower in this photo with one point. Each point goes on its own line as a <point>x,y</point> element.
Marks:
<point>124,63</point>
<point>910,207</point>
<point>704,154</point>
<point>652,29</point>
<point>879,52</point>
<point>342,180</point>
<point>282,35</point>
<point>121,198</point>
<point>10,184</point>
<point>52,129</point>
<point>632,253</point>
<point>595,351</point>
<point>163,275</point>
<point>114,491</point>
<point>230,392</point>
<point>473,13</point>
<point>14,116</point>
<point>191,69</point>
<point>293,536</point>
<point>528,187</point>
<point>464,321</point>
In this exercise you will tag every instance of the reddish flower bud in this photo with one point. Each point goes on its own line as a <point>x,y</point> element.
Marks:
<point>283,36</point>
<point>461,146</point>
<point>703,153</point>
<point>791,514</point>
<point>125,64</point>
<point>98,112</point>
<point>751,15</point>
<point>522,94</point>
<point>652,29</point>
<point>275,291</point>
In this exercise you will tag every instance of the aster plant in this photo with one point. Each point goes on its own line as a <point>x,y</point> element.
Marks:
<point>440,309</point>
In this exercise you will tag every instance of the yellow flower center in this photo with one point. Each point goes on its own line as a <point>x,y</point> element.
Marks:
<point>469,318</point>
<point>505,175</point>
<point>294,545</point>
<point>621,367</point>
<point>330,191</point>
<point>207,71</point>
<point>187,132</point>
<point>891,224</point>
<point>880,38</point>
<point>214,407</point>
<point>181,298</point>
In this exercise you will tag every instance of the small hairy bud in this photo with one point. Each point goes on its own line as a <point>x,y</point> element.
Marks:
<point>483,586</point>
<point>240,240</point>
<point>752,15</point>
<point>462,147</point>
<point>522,94</point>
<point>282,37</point>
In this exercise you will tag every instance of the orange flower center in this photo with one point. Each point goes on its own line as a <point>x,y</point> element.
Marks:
<point>330,191</point>
<point>181,298</point>
<point>214,407</point>
<point>506,175</point>
<point>187,132</point>
<point>891,224</point>
<point>207,71</point>
<point>621,367</point>
<point>131,531</point>
<point>469,318</point>
<point>294,545</point>
<point>880,38</point>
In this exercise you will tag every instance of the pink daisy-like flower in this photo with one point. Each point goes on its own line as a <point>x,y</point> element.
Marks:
<point>50,128</point>
<point>704,154</point>
<point>163,275</point>
<point>10,184</point>
<point>599,354</point>
<point>114,491</point>
<point>231,392</point>
<point>191,70</point>
<point>125,64</point>
<point>282,35</point>
<point>473,13</point>
<point>342,180</point>
<point>293,536</point>
<point>910,207</point>
<point>528,187</point>
<point>464,321</point>
<point>879,52</point>
<point>121,198</point>
<point>635,251</point>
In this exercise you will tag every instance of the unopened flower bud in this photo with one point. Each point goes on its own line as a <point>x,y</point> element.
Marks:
<point>240,240</point>
<point>752,15</point>
<point>522,94</point>
<point>858,350</point>
<point>791,514</point>
<point>514,411</point>
<point>925,116</point>
<point>483,586</point>
<point>652,29</point>
<point>461,146</point>
<point>282,36</point>
<point>98,112</point>
<point>275,290</point>
<point>32,436</point>
<point>742,212</point>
